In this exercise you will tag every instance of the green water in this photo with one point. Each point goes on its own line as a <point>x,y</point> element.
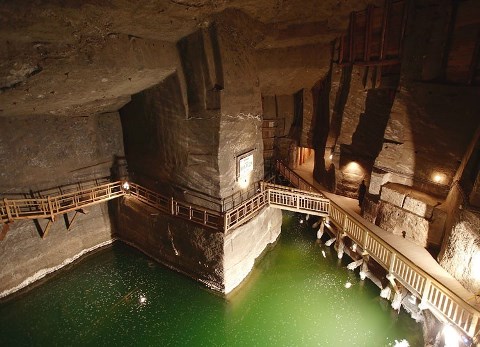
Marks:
<point>294,297</point>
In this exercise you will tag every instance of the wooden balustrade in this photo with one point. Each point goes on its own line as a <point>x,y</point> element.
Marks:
<point>245,211</point>
<point>297,200</point>
<point>196,214</point>
<point>434,295</point>
<point>49,207</point>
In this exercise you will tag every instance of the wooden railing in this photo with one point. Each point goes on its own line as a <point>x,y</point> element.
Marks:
<point>296,200</point>
<point>278,196</point>
<point>51,206</point>
<point>294,178</point>
<point>245,211</point>
<point>196,214</point>
<point>433,294</point>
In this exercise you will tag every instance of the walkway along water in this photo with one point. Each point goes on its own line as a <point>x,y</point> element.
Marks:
<point>411,266</point>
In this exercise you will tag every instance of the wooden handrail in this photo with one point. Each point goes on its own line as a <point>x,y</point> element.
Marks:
<point>193,213</point>
<point>432,293</point>
<point>51,206</point>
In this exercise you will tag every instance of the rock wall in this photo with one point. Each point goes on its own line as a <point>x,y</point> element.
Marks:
<point>40,163</point>
<point>27,257</point>
<point>246,243</point>
<point>36,155</point>
<point>220,261</point>
<point>462,250</point>
<point>182,246</point>
<point>410,214</point>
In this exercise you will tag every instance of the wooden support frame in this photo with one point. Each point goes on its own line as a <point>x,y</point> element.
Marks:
<point>47,228</point>
<point>70,223</point>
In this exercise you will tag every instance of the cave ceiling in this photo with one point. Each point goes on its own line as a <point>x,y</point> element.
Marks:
<point>85,57</point>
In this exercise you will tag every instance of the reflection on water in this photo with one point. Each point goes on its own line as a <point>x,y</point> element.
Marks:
<point>299,294</point>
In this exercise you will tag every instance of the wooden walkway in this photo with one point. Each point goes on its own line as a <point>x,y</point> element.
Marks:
<point>409,264</point>
<point>52,206</point>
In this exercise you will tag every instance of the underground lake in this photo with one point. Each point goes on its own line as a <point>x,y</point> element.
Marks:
<point>299,294</point>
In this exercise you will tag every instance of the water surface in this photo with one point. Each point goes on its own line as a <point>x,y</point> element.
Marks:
<point>296,296</point>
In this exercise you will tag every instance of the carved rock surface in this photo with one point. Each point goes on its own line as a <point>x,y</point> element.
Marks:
<point>462,255</point>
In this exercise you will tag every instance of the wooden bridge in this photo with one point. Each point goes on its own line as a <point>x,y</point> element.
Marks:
<point>52,206</point>
<point>457,307</point>
<point>438,298</point>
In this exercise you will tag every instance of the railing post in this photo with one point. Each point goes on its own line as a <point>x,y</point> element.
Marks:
<point>172,206</point>
<point>7,209</point>
<point>365,239</point>
<point>473,325</point>
<point>392,262</point>
<point>50,207</point>
<point>225,222</point>
<point>426,290</point>
<point>345,220</point>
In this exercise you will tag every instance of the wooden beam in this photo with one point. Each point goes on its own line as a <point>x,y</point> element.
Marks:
<point>404,26</point>
<point>70,223</point>
<point>449,39</point>
<point>47,228</point>
<point>384,36</point>
<point>351,38</point>
<point>475,59</point>
<point>375,63</point>
<point>342,47</point>
<point>368,32</point>
<point>5,229</point>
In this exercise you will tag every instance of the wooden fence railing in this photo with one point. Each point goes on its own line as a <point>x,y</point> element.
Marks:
<point>51,206</point>
<point>294,178</point>
<point>196,214</point>
<point>433,294</point>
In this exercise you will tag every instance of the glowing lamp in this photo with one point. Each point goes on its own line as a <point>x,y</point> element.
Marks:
<point>126,186</point>
<point>437,178</point>
<point>142,299</point>
<point>244,181</point>
<point>330,157</point>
